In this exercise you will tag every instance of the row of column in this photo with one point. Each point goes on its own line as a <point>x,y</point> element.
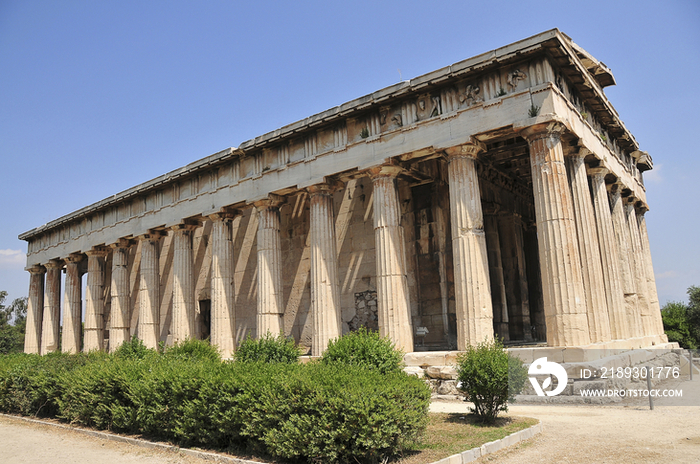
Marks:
<point>596,268</point>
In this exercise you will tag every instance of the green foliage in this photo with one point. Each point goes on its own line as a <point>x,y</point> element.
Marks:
<point>484,372</point>
<point>12,335</point>
<point>301,412</point>
<point>682,322</point>
<point>364,348</point>
<point>133,349</point>
<point>268,349</point>
<point>533,111</point>
<point>193,349</point>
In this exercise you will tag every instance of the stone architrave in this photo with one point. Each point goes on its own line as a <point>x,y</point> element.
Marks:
<point>35,310</point>
<point>471,270</point>
<point>393,307</point>
<point>120,313</point>
<point>610,256</point>
<point>562,283</point>
<point>94,300</point>
<point>325,292</point>
<point>498,288</point>
<point>622,235</point>
<point>591,267</point>
<point>637,261</point>
<point>183,312</point>
<point>270,311</point>
<point>52,307</point>
<point>654,307</point>
<point>149,291</point>
<point>223,314</point>
<point>72,306</point>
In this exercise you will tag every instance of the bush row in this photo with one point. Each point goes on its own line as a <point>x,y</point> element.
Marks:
<point>317,412</point>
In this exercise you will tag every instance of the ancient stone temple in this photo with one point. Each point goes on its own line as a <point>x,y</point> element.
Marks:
<point>500,196</point>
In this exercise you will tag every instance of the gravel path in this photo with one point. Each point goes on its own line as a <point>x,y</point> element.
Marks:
<point>627,433</point>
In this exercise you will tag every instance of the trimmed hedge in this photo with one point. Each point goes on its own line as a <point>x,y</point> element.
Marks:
<point>301,412</point>
<point>364,348</point>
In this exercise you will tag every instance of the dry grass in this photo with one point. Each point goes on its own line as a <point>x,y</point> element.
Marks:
<point>449,434</point>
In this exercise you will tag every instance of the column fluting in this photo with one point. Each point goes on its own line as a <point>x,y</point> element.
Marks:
<point>562,282</point>
<point>610,256</point>
<point>72,306</point>
<point>470,259</point>
<point>270,311</point>
<point>183,312</point>
<point>149,291</point>
<point>654,307</point>
<point>223,314</point>
<point>637,262</point>
<point>52,307</point>
<point>35,310</point>
<point>393,306</point>
<point>94,300</point>
<point>120,311</point>
<point>325,292</point>
<point>591,267</point>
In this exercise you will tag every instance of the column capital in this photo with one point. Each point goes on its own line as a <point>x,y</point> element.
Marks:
<point>325,188</point>
<point>186,224</point>
<point>224,214</point>
<point>54,264</point>
<point>152,234</point>
<point>543,130</point>
<point>122,243</point>
<point>598,171</point>
<point>467,150</point>
<point>36,269</point>
<point>74,258</point>
<point>388,170</point>
<point>98,251</point>
<point>272,201</point>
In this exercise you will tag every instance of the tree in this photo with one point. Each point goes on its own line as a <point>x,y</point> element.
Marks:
<point>682,322</point>
<point>12,334</point>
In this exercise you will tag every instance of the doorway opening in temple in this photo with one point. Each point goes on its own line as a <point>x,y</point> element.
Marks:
<point>204,319</point>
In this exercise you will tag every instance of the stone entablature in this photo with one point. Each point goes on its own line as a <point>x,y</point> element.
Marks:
<point>445,197</point>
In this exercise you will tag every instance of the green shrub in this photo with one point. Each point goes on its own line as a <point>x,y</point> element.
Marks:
<point>300,412</point>
<point>193,349</point>
<point>269,349</point>
<point>133,349</point>
<point>483,372</point>
<point>364,348</point>
<point>31,385</point>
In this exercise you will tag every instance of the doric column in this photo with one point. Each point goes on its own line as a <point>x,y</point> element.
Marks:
<point>560,264</point>
<point>471,269</point>
<point>72,306</point>
<point>591,267</point>
<point>498,288</point>
<point>149,290</point>
<point>94,300</point>
<point>223,314</point>
<point>654,308</point>
<point>622,236</point>
<point>52,307</point>
<point>393,306</point>
<point>120,313</point>
<point>610,257</point>
<point>35,310</point>
<point>637,261</point>
<point>183,314</point>
<point>270,310</point>
<point>325,293</point>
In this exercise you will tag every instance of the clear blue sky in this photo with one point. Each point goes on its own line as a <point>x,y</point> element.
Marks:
<point>98,96</point>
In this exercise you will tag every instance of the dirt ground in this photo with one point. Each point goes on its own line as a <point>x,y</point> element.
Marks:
<point>625,433</point>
